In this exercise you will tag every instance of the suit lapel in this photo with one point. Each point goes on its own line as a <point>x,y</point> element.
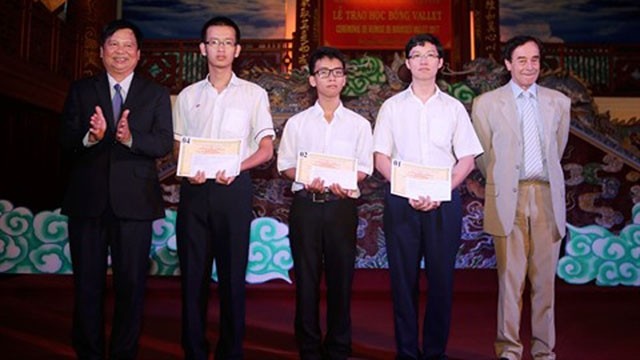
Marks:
<point>104,99</point>
<point>545,108</point>
<point>135,89</point>
<point>509,110</point>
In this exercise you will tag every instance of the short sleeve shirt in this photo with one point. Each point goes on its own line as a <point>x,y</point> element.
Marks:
<point>240,111</point>
<point>348,134</point>
<point>435,133</point>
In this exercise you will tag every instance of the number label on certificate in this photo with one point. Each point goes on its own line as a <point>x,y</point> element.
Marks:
<point>330,168</point>
<point>208,155</point>
<point>412,180</point>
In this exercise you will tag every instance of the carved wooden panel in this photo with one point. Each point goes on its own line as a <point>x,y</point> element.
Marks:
<point>67,59</point>
<point>11,26</point>
<point>626,71</point>
<point>41,34</point>
<point>176,64</point>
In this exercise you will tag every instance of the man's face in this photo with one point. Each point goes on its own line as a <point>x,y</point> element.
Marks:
<point>525,64</point>
<point>423,62</point>
<point>329,77</point>
<point>120,53</point>
<point>220,47</point>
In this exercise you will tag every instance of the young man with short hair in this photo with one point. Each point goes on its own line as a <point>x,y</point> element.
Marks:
<point>214,213</point>
<point>323,218</point>
<point>423,125</point>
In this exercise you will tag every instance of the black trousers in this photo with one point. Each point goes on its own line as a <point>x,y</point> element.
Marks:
<point>213,222</point>
<point>129,242</point>
<point>323,238</point>
<point>411,235</point>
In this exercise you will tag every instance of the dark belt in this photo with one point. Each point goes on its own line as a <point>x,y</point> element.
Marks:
<point>317,197</point>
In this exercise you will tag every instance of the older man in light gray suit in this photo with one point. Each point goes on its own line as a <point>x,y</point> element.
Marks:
<point>523,128</point>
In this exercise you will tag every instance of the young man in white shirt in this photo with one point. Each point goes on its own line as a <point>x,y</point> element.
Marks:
<point>214,213</point>
<point>423,125</point>
<point>323,218</point>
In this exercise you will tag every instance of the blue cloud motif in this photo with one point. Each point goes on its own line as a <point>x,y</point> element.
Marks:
<point>39,244</point>
<point>16,222</point>
<point>269,252</point>
<point>594,253</point>
<point>5,205</point>
<point>164,229</point>
<point>51,227</point>
<point>15,235</point>
<point>164,257</point>
<point>51,258</point>
<point>13,251</point>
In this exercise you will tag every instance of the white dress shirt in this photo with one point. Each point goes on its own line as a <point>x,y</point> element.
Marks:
<point>435,133</point>
<point>518,94</point>
<point>125,84</point>
<point>348,134</point>
<point>240,111</point>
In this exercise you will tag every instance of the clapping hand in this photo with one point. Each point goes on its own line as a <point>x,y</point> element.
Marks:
<point>97,126</point>
<point>123,134</point>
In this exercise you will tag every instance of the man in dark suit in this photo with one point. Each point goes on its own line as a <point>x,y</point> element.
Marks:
<point>113,193</point>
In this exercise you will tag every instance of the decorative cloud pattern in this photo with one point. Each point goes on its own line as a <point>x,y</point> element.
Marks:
<point>364,72</point>
<point>594,253</point>
<point>39,244</point>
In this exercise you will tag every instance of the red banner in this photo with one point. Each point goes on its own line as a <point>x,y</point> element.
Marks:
<point>383,24</point>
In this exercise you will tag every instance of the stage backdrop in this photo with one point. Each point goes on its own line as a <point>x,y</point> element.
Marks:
<point>602,246</point>
<point>38,243</point>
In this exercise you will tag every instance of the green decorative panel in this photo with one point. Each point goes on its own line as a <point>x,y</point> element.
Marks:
<point>594,253</point>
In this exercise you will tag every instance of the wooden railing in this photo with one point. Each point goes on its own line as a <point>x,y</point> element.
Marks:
<point>609,70</point>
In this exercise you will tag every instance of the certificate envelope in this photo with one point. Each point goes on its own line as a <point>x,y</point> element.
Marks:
<point>412,180</point>
<point>331,169</point>
<point>208,155</point>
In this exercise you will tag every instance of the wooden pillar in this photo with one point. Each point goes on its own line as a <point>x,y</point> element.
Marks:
<point>487,28</point>
<point>461,44</point>
<point>307,34</point>
<point>90,17</point>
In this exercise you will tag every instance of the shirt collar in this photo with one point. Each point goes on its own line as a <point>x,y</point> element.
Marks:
<point>517,90</point>
<point>125,84</point>
<point>317,109</point>
<point>234,81</point>
<point>436,94</point>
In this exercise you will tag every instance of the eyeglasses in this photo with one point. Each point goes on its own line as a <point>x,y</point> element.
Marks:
<point>427,55</point>
<point>325,73</point>
<point>217,42</point>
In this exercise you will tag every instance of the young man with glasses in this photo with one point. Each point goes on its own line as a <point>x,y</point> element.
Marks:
<point>214,214</point>
<point>425,126</point>
<point>323,217</point>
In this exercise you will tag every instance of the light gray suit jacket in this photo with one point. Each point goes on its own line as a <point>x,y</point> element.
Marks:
<point>495,119</point>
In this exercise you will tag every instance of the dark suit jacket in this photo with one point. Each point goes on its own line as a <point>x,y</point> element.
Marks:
<point>110,173</point>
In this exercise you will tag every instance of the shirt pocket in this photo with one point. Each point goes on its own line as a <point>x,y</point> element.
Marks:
<point>343,148</point>
<point>440,133</point>
<point>235,124</point>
